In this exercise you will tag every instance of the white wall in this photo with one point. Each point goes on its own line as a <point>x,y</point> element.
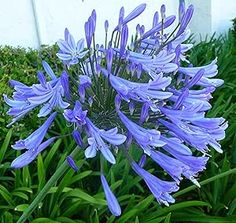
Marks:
<point>17,24</point>
<point>18,27</point>
<point>201,24</point>
<point>223,11</point>
<point>55,15</point>
<point>212,16</point>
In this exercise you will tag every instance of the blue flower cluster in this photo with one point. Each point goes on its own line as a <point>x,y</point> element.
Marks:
<point>144,93</point>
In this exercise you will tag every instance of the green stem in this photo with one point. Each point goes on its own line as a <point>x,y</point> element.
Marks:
<point>41,195</point>
<point>221,175</point>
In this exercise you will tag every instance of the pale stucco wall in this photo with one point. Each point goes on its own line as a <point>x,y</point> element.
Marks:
<point>223,11</point>
<point>18,27</point>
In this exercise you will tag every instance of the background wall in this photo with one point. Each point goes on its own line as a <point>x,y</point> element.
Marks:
<point>30,23</point>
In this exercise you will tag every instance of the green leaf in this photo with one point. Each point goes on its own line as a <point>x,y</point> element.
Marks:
<point>21,207</point>
<point>20,194</point>
<point>68,220</point>
<point>167,220</point>
<point>44,220</point>
<point>5,145</point>
<point>80,176</point>
<point>126,216</point>
<point>8,217</point>
<point>84,196</point>
<point>204,219</point>
<point>40,172</point>
<point>6,195</point>
<point>211,179</point>
<point>51,153</point>
<point>177,206</point>
<point>232,207</point>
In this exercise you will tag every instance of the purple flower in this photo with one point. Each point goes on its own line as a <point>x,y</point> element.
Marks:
<point>183,154</point>
<point>131,107</point>
<point>144,78</point>
<point>109,58</point>
<point>186,18</point>
<point>50,96</point>
<point>124,40</point>
<point>143,92</point>
<point>65,84</point>
<point>19,109</point>
<point>144,113</point>
<point>33,144</point>
<point>77,115</point>
<point>77,137</point>
<point>96,141</point>
<point>192,98</point>
<point>160,189</point>
<point>199,136</point>
<point>25,98</point>
<point>89,28</point>
<point>181,10</point>
<point>154,65</point>
<point>142,160</point>
<point>106,25</point>
<point>155,19</point>
<point>163,12</point>
<point>112,202</point>
<point>135,13</point>
<point>84,82</point>
<point>209,71</point>
<point>72,163</point>
<point>168,21</point>
<point>146,138</point>
<point>70,52</point>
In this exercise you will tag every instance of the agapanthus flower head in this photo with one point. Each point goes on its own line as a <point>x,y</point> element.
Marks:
<point>128,92</point>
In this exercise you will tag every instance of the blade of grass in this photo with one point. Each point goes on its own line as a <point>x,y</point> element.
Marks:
<point>224,174</point>
<point>41,195</point>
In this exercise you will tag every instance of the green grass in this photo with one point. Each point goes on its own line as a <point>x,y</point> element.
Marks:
<point>78,197</point>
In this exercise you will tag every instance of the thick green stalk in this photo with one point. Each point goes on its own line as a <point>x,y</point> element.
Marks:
<point>41,195</point>
<point>221,175</point>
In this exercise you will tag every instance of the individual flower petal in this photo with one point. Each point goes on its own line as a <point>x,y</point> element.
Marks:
<point>112,202</point>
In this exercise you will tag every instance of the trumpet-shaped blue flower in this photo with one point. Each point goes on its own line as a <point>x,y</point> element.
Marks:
<point>144,92</point>
<point>33,144</point>
<point>147,139</point>
<point>183,154</point>
<point>135,13</point>
<point>77,115</point>
<point>26,98</point>
<point>112,202</point>
<point>210,71</point>
<point>154,65</point>
<point>70,52</point>
<point>160,189</point>
<point>96,141</point>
